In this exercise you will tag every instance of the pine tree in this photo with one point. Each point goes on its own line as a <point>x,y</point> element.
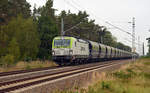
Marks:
<point>47,30</point>
<point>48,10</point>
<point>11,8</point>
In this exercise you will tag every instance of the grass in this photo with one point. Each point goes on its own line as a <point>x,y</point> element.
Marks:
<point>28,65</point>
<point>131,78</point>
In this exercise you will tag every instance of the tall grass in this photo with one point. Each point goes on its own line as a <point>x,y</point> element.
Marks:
<point>28,65</point>
<point>131,78</point>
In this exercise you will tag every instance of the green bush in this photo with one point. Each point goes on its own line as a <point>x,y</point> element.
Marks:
<point>91,90</point>
<point>122,75</point>
<point>28,59</point>
<point>7,60</point>
<point>28,67</point>
<point>105,85</point>
<point>130,71</point>
<point>147,75</point>
<point>145,57</point>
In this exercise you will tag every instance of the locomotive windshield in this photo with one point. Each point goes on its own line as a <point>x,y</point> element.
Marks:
<point>61,43</point>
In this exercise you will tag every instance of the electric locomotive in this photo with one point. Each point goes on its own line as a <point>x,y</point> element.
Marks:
<point>68,50</point>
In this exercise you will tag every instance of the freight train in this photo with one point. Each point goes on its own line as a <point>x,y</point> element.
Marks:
<point>70,50</point>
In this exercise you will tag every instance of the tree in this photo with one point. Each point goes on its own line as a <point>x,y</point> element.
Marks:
<point>123,47</point>
<point>11,8</point>
<point>87,29</point>
<point>47,10</point>
<point>19,39</point>
<point>47,30</point>
<point>13,54</point>
<point>109,39</point>
<point>84,27</point>
<point>14,49</point>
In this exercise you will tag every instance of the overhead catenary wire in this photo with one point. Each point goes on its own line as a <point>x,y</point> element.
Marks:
<point>77,4</point>
<point>72,27</point>
<point>97,16</point>
<point>139,45</point>
<point>131,42</point>
<point>71,5</point>
<point>109,23</point>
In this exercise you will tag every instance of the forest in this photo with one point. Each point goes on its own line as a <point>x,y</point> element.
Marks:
<point>27,35</point>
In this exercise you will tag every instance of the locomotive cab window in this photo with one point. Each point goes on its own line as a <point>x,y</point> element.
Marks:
<point>62,42</point>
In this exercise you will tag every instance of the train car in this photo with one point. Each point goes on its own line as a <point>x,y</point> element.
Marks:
<point>94,51</point>
<point>115,54</point>
<point>118,54</point>
<point>108,52</point>
<point>102,51</point>
<point>113,51</point>
<point>121,54</point>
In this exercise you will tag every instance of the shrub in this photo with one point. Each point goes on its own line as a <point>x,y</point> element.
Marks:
<point>147,75</point>
<point>28,67</point>
<point>130,71</point>
<point>105,85</point>
<point>122,75</point>
<point>91,90</point>
<point>7,60</point>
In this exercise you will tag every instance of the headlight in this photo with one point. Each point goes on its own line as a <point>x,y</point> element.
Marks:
<point>70,52</point>
<point>53,53</point>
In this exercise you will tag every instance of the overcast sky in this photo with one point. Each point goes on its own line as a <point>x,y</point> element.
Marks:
<point>117,12</point>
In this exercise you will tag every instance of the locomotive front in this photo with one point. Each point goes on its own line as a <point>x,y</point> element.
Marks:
<point>62,50</point>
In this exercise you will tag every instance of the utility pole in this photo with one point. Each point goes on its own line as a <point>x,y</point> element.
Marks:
<point>133,38</point>
<point>148,46</point>
<point>143,49</point>
<point>139,44</point>
<point>62,27</point>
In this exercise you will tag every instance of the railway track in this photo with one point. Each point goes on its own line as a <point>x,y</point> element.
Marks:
<point>13,85</point>
<point>25,71</point>
<point>20,75</point>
